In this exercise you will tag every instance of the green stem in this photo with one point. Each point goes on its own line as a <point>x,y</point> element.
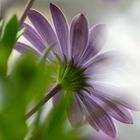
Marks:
<point>27,8</point>
<point>54,91</point>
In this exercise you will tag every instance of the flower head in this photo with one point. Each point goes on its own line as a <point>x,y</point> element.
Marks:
<point>78,49</point>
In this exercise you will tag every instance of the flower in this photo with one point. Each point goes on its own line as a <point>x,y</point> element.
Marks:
<point>81,61</point>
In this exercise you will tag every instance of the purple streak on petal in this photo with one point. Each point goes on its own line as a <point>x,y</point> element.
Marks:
<point>114,109</point>
<point>100,65</point>
<point>61,27</point>
<point>32,36</point>
<point>103,59</point>
<point>103,120</point>
<point>23,48</point>
<point>89,118</point>
<point>121,114</point>
<point>97,39</point>
<point>111,93</point>
<point>44,28</point>
<point>92,122</point>
<point>78,36</point>
<point>75,114</point>
<point>103,66</point>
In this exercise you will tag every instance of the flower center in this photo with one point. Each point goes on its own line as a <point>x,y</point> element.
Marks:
<point>72,77</point>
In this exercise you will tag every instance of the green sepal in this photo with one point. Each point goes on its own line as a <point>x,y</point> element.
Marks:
<point>43,57</point>
<point>20,33</point>
<point>72,77</point>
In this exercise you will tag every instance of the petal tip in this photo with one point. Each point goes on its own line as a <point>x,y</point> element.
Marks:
<point>53,7</point>
<point>131,121</point>
<point>32,12</point>
<point>102,27</point>
<point>112,134</point>
<point>81,16</point>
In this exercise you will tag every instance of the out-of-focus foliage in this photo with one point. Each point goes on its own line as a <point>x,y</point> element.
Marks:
<point>54,126</point>
<point>26,84</point>
<point>7,41</point>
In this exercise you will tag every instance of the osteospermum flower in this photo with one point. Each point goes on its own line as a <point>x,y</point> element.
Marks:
<point>79,51</point>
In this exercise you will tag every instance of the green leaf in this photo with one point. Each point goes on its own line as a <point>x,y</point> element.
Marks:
<point>10,32</point>
<point>1,27</point>
<point>1,23</point>
<point>7,43</point>
<point>55,125</point>
<point>27,83</point>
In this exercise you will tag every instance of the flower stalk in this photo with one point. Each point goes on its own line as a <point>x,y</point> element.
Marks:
<point>54,91</point>
<point>27,8</point>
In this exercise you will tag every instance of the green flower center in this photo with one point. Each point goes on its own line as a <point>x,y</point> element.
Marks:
<point>72,77</point>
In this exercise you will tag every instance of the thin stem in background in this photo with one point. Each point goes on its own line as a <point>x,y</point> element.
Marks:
<point>54,91</point>
<point>27,8</point>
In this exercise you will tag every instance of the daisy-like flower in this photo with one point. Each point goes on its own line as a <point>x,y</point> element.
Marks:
<point>79,51</point>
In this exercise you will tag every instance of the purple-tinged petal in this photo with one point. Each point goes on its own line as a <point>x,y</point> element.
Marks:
<point>78,36</point>
<point>112,93</point>
<point>99,136</point>
<point>23,48</point>
<point>114,109</point>
<point>32,36</point>
<point>102,119</point>
<point>75,114</point>
<point>103,64</point>
<point>89,118</point>
<point>61,27</point>
<point>121,114</point>
<point>92,122</point>
<point>44,28</point>
<point>57,98</point>
<point>97,39</point>
<point>103,59</point>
